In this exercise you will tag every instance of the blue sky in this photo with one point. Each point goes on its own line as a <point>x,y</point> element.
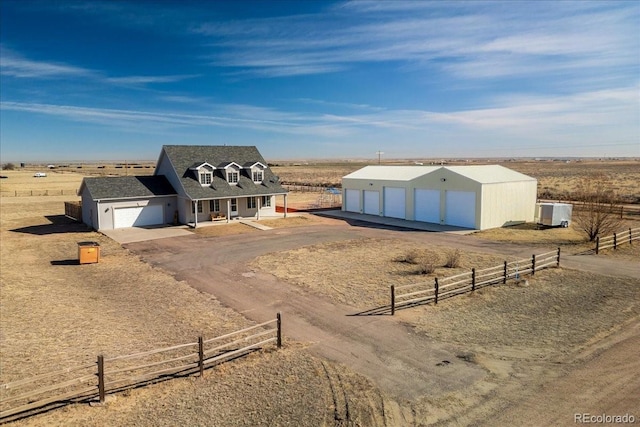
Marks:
<point>113,80</point>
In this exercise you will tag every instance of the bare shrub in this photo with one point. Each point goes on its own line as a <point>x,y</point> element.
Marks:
<point>8,166</point>
<point>410,257</point>
<point>596,214</point>
<point>452,258</point>
<point>428,262</point>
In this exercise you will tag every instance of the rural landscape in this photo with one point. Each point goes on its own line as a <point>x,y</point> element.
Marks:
<point>532,350</point>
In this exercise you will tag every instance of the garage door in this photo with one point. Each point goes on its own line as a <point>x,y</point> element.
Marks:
<point>138,216</point>
<point>352,200</point>
<point>372,202</point>
<point>427,205</point>
<point>460,209</point>
<point>394,202</point>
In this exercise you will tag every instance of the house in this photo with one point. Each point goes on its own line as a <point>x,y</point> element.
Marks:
<point>476,197</point>
<point>190,185</point>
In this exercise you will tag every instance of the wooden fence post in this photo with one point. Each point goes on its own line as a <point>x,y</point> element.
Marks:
<point>558,258</point>
<point>597,244</point>
<point>201,355</point>
<point>473,279</point>
<point>615,241</point>
<point>504,278</point>
<point>630,239</point>
<point>101,392</point>
<point>436,291</point>
<point>393,300</point>
<point>533,264</point>
<point>279,323</point>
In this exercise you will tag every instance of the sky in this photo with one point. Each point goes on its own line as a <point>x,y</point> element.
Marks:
<point>116,80</point>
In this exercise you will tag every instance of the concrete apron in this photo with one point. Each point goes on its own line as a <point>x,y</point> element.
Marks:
<point>139,234</point>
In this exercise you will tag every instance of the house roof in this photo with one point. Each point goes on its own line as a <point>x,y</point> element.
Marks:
<point>182,157</point>
<point>125,187</point>
<point>484,174</point>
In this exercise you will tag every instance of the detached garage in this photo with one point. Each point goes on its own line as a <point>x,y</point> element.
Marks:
<point>127,201</point>
<point>476,197</point>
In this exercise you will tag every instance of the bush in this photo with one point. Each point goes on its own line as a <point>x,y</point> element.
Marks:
<point>452,258</point>
<point>8,166</point>
<point>428,263</point>
<point>411,257</point>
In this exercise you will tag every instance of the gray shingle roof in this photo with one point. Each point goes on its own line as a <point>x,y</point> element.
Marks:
<point>183,156</point>
<point>119,187</point>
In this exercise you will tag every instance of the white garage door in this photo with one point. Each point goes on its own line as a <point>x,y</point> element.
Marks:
<point>394,202</point>
<point>460,208</point>
<point>352,200</point>
<point>138,216</point>
<point>427,205</point>
<point>372,202</point>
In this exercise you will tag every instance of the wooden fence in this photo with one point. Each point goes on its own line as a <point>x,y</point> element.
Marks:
<point>113,374</point>
<point>422,293</point>
<point>73,210</point>
<point>28,193</point>
<point>627,236</point>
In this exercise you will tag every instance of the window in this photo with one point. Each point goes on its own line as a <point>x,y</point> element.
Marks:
<point>257,176</point>
<point>199,206</point>
<point>251,202</point>
<point>234,205</point>
<point>266,201</point>
<point>232,177</point>
<point>205,178</point>
<point>214,205</point>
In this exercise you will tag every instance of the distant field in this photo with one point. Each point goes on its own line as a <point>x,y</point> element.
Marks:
<point>556,179</point>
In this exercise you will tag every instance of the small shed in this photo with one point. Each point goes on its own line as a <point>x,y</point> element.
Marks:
<point>476,197</point>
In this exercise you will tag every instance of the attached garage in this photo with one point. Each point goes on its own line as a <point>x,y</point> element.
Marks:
<point>426,205</point>
<point>127,201</point>
<point>395,202</point>
<point>475,197</point>
<point>138,216</point>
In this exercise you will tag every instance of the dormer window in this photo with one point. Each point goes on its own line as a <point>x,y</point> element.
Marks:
<point>205,178</point>
<point>257,176</point>
<point>232,177</point>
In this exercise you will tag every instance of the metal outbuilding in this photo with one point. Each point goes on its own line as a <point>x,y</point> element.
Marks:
<point>477,196</point>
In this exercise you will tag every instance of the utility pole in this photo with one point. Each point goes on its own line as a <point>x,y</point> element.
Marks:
<point>379,153</point>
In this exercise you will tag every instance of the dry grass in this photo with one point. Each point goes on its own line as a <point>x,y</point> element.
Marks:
<point>296,221</point>
<point>559,312</point>
<point>359,272</point>
<point>224,229</point>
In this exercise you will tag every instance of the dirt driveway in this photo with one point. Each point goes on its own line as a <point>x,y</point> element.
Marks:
<point>403,364</point>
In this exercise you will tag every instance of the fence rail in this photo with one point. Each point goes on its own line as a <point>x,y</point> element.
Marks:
<point>110,375</point>
<point>627,236</point>
<point>422,293</point>
<point>28,193</point>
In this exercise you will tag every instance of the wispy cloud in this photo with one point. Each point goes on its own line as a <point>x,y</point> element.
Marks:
<point>15,65</point>
<point>136,80</point>
<point>497,41</point>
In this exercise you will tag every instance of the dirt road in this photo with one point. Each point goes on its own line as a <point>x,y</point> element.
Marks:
<point>400,362</point>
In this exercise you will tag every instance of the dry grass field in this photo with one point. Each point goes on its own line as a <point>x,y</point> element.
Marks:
<point>56,314</point>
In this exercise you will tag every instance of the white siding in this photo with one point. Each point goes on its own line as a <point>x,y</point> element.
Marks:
<point>508,203</point>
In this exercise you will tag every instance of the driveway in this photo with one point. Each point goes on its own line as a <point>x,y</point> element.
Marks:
<point>400,362</point>
<point>141,234</point>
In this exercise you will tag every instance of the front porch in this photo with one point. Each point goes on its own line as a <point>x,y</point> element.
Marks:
<point>225,210</point>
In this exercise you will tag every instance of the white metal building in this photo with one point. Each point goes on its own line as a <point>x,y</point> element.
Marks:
<point>478,196</point>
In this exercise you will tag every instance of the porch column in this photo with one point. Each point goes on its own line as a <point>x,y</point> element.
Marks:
<point>285,205</point>
<point>195,214</point>
<point>258,204</point>
<point>228,210</point>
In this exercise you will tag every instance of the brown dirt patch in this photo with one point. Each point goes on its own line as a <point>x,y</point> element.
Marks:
<point>300,220</point>
<point>224,229</point>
